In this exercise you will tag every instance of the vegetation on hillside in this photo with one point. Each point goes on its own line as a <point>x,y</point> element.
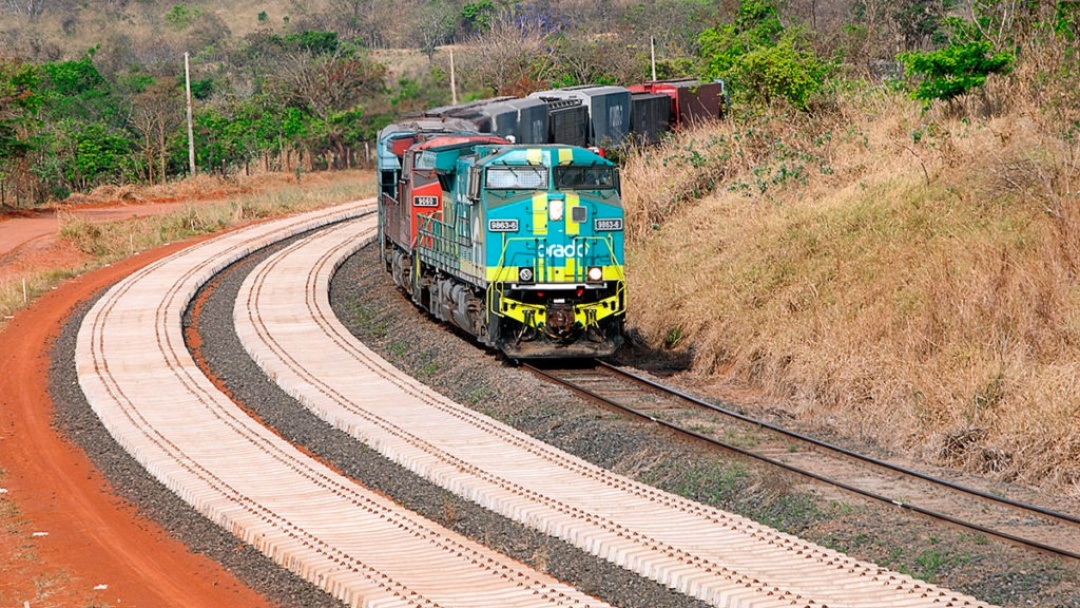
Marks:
<point>900,262</point>
<point>885,233</point>
<point>94,94</point>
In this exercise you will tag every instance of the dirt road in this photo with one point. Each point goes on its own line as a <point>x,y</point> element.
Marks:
<point>66,540</point>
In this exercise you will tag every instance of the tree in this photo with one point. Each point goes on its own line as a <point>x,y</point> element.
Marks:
<point>597,60</point>
<point>761,59</point>
<point>435,23</point>
<point>362,19</point>
<point>515,55</point>
<point>323,88</point>
<point>675,24</point>
<point>157,113</point>
<point>955,70</point>
<point>322,85</point>
<point>19,103</point>
<point>477,17</point>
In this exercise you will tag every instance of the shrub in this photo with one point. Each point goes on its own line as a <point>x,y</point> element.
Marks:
<point>954,70</point>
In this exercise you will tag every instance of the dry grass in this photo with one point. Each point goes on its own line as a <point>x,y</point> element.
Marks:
<point>213,205</point>
<point>910,279</point>
<point>113,240</point>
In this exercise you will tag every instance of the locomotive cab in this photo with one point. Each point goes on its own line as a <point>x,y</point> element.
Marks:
<point>554,222</point>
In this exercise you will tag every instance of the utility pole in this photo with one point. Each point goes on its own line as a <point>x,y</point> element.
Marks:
<point>190,129</point>
<point>652,55</point>
<point>453,82</point>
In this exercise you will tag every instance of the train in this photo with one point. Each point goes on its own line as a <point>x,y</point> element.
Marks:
<point>503,217</point>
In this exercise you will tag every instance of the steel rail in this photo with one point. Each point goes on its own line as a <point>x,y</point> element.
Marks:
<point>815,476</point>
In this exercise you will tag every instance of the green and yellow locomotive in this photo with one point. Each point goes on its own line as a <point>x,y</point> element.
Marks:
<point>518,245</point>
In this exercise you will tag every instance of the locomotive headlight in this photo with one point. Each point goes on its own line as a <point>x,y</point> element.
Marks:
<point>595,273</point>
<point>525,274</point>
<point>556,209</point>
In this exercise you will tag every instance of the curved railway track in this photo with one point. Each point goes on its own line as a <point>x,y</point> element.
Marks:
<point>284,320</point>
<point>140,379</point>
<point>1029,525</point>
<point>138,376</point>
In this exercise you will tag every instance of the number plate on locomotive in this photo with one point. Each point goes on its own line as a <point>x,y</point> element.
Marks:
<point>503,225</point>
<point>425,201</point>
<point>608,224</point>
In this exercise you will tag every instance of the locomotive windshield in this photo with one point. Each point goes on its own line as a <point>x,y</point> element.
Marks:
<point>517,178</point>
<point>584,178</point>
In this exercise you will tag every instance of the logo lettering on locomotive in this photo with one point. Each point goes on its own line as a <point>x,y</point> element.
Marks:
<point>569,250</point>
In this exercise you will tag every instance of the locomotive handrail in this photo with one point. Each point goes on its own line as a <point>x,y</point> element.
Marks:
<point>445,250</point>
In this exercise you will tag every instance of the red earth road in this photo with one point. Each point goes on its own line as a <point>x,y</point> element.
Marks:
<point>96,548</point>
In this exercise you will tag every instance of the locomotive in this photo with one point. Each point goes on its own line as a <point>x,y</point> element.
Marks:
<point>496,218</point>
<point>517,244</point>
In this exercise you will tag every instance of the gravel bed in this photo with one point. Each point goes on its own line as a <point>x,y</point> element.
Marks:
<point>383,318</point>
<point>74,418</point>
<point>228,362</point>
<point>451,363</point>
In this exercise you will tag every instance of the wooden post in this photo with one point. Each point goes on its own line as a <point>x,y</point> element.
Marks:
<point>652,54</point>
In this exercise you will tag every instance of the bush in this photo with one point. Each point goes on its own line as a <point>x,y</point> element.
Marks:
<point>954,70</point>
<point>761,59</point>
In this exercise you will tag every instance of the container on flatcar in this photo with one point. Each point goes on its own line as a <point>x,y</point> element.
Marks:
<point>524,119</point>
<point>609,111</point>
<point>568,122</point>
<point>468,108</point>
<point>650,118</point>
<point>691,100</point>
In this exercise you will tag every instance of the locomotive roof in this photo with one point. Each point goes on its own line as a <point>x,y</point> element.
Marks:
<point>549,155</point>
<point>442,142</point>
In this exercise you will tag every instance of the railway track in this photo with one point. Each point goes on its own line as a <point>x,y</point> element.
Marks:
<point>284,320</point>
<point>137,374</point>
<point>1029,525</point>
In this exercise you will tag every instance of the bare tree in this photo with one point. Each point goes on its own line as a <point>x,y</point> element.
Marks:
<point>156,113</point>
<point>434,24</point>
<point>27,8</point>
<point>586,59</point>
<point>513,57</point>
<point>331,83</point>
<point>364,19</point>
<point>330,86</point>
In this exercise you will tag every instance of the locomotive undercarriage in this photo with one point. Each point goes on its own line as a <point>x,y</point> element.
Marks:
<point>445,297</point>
<point>557,323</point>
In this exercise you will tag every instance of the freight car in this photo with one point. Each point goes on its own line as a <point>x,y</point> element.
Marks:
<point>520,245</point>
<point>601,117</point>
<point>691,100</point>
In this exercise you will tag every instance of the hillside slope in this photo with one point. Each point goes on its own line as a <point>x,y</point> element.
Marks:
<point>907,278</point>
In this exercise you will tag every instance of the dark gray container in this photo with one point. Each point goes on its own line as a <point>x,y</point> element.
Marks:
<point>650,117</point>
<point>531,116</point>
<point>568,122</point>
<point>609,111</point>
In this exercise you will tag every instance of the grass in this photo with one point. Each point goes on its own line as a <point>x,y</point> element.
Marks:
<point>109,241</point>
<point>14,296</point>
<point>904,277</point>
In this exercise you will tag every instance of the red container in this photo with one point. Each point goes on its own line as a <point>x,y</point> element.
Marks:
<point>691,99</point>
